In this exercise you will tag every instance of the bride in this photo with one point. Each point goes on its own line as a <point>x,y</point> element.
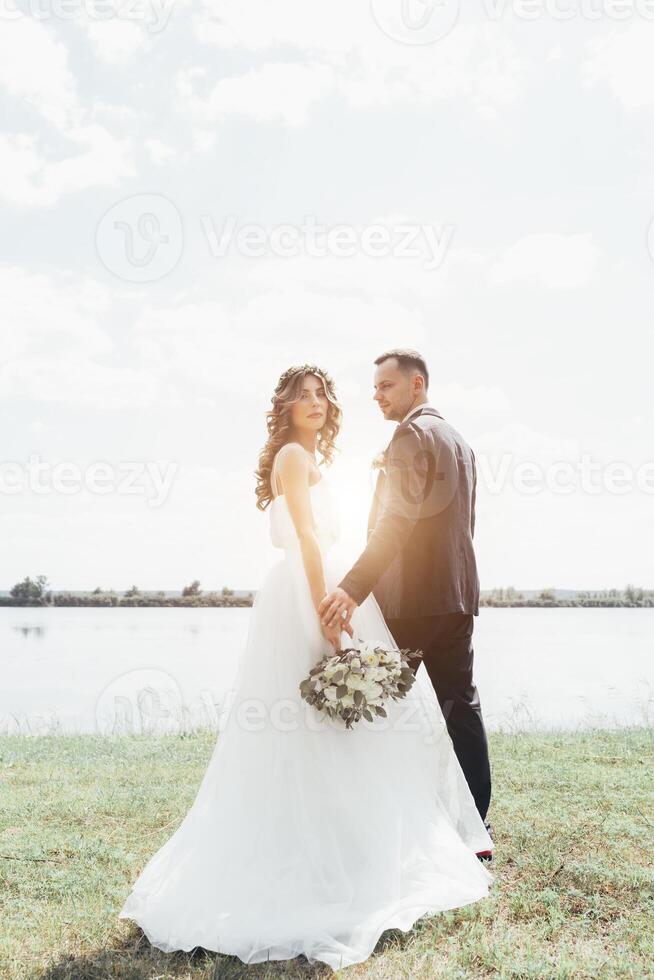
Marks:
<point>304,837</point>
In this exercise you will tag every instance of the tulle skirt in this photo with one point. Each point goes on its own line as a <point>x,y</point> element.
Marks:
<point>306,838</point>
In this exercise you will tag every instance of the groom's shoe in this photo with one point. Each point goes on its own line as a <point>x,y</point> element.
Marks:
<point>487,856</point>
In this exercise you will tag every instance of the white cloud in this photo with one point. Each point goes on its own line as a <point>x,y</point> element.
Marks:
<point>53,346</point>
<point>478,63</point>
<point>553,261</point>
<point>624,62</point>
<point>115,41</point>
<point>554,54</point>
<point>481,398</point>
<point>524,443</point>
<point>204,140</point>
<point>44,315</point>
<point>30,180</point>
<point>261,26</point>
<point>202,347</point>
<point>159,151</point>
<point>388,278</point>
<point>34,71</point>
<point>276,92</point>
<point>76,380</point>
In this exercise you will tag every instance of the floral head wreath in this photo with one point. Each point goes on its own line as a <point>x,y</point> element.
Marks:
<point>302,369</point>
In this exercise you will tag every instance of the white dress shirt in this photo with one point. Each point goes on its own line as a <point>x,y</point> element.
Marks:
<point>417,408</point>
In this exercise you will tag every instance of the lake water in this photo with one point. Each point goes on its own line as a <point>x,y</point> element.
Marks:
<point>104,670</point>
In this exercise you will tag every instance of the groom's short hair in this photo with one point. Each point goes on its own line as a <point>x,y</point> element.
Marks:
<point>408,360</point>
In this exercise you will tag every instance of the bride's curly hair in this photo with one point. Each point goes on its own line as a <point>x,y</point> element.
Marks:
<point>278,420</point>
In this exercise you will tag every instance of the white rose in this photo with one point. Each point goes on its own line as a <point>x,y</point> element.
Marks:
<point>330,693</point>
<point>372,690</point>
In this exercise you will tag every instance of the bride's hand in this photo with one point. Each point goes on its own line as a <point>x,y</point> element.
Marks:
<point>333,635</point>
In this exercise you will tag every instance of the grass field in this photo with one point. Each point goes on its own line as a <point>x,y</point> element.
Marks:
<point>573,816</point>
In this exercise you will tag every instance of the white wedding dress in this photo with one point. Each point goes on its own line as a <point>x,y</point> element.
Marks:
<point>306,838</point>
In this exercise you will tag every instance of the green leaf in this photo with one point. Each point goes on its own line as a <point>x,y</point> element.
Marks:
<point>366,714</point>
<point>341,691</point>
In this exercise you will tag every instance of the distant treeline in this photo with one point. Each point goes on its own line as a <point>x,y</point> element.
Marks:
<point>35,592</point>
<point>630,597</point>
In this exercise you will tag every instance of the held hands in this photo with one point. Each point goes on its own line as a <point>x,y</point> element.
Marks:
<point>336,610</point>
<point>333,635</point>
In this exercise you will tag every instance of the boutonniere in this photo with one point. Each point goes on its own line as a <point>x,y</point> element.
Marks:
<point>380,460</point>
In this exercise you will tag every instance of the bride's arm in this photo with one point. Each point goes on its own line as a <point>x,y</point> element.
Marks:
<point>294,470</point>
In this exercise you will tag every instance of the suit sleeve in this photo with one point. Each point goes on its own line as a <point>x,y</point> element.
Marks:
<point>409,469</point>
<point>474,495</point>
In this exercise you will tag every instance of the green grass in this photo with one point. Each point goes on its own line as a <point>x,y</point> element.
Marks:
<point>573,897</point>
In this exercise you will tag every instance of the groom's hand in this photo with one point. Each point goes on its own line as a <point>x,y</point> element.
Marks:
<point>336,610</point>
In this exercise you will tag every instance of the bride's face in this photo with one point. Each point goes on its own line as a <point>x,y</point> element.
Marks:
<point>310,411</point>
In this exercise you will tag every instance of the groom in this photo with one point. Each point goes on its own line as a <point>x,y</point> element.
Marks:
<point>419,560</point>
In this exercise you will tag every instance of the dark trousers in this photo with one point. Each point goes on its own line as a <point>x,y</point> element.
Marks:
<point>446,643</point>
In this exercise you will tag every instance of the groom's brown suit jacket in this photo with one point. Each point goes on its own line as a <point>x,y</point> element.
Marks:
<point>419,560</point>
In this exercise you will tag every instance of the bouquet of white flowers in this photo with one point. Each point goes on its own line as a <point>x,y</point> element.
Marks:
<point>354,683</point>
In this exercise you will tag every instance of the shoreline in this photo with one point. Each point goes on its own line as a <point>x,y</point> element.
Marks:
<point>219,602</point>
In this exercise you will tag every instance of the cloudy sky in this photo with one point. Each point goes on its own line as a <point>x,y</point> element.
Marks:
<point>197,195</point>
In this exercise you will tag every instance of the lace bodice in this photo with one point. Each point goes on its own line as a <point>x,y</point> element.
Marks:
<point>282,529</point>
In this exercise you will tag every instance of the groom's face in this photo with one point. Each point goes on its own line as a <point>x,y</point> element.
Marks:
<point>393,390</point>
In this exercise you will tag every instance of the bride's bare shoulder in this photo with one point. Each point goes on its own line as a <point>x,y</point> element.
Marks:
<point>291,451</point>
<point>292,462</point>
